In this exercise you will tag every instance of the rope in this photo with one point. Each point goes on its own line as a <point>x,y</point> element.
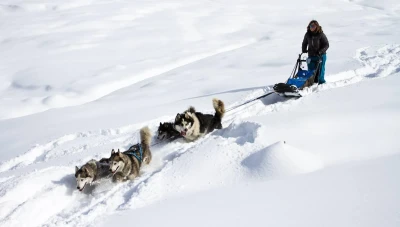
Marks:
<point>249,101</point>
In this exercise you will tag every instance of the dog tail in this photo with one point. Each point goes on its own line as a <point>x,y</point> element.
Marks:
<point>191,109</point>
<point>145,136</point>
<point>219,107</point>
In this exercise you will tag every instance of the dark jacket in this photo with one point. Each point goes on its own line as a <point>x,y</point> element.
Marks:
<point>316,41</point>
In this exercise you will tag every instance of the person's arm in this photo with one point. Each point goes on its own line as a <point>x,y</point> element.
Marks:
<point>324,44</point>
<point>304,44</point>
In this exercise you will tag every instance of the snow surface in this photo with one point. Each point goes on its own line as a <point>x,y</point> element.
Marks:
<point>80,77</point>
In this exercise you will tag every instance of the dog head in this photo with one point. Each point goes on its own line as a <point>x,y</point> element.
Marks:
<point>83,177</point>
<point>162,131</point>
<point>116,161</point>
<point>184,123</point>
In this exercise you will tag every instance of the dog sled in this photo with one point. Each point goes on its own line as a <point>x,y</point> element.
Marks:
<point>299,79</point>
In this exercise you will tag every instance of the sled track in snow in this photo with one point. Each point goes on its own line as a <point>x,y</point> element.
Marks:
<point>83,208</point>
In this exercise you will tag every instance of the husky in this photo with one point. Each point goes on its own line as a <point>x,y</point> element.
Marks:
<point>166,130</point>
<point>90,172</point>
<point>192,125</point>
<point>126,165</point>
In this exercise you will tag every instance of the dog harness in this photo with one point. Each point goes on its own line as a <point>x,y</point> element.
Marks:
<point>133,152</point>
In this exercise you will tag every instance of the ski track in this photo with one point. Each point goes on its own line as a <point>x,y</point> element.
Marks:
<point>82,209</point>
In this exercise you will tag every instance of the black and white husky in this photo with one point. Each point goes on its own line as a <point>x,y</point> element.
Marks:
<point>166,131</point>
<point>90,172</point>
<point>192,125</point>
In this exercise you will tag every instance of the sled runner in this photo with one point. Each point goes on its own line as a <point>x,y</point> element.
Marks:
<point>298,80</point>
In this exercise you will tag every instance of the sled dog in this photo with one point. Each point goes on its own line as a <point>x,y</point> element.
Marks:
<point>192,125</point>
<point>90,172</point>
<point>167,131</point>
<point>126,165</point>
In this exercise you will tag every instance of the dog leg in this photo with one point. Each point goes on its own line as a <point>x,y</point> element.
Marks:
<point>118,177</point>
<point>132,176</point>
<point>147,159</point>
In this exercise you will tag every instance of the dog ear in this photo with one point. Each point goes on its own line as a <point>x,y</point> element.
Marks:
<point>76,169</point>
<point>112,151</point>
<point>178,115</point>
<point>84,169</point>
<point>160,123</point>
<point>191,109</point>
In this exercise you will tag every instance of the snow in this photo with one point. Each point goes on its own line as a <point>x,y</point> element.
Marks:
<point>337,196</point>
<point>280,160</point>
<point>81,77</point>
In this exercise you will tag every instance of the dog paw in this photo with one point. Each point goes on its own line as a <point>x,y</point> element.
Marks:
<point>131,177</point>
<point>117,178</point>
<point>147,160</point>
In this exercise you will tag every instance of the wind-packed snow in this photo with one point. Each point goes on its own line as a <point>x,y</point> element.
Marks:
<point>81,77</point>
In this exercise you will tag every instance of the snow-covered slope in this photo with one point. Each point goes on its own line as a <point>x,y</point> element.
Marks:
<point>79,78</point>
<point>337,196</point>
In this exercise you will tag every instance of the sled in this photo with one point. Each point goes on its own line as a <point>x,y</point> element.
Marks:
<point>299,79</point>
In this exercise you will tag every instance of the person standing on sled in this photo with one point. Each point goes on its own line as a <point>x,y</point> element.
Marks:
<point>317,44</point>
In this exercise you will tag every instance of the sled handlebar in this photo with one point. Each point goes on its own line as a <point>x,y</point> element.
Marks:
<point>300,60</point>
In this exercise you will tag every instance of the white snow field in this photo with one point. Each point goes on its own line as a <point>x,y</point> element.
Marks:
<point>81,77</point>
